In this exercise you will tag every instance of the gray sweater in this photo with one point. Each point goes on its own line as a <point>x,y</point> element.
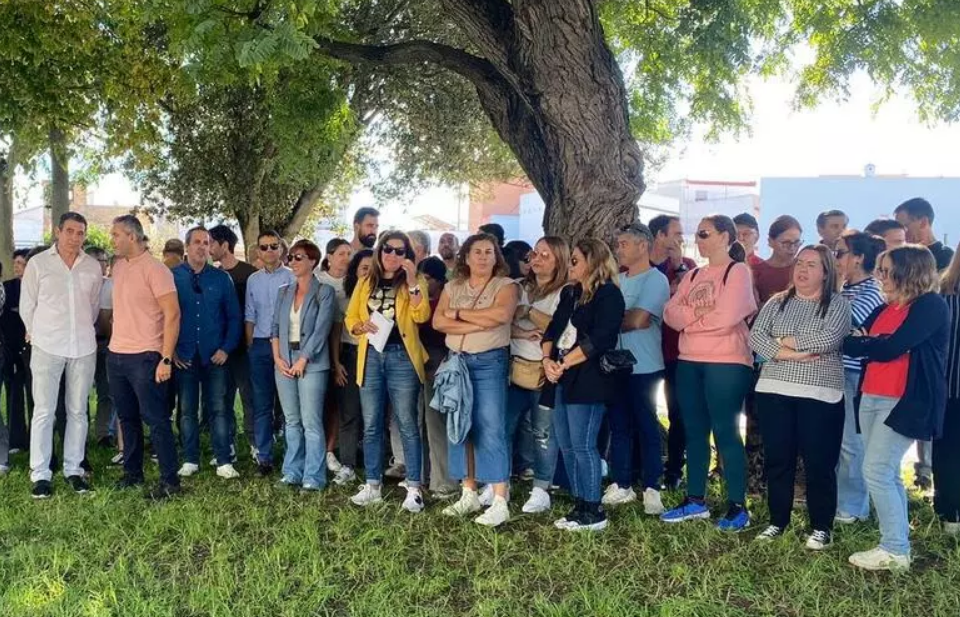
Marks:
<point>824,336</point>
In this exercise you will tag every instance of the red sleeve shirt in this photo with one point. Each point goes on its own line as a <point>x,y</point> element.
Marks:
<point>888,378</point>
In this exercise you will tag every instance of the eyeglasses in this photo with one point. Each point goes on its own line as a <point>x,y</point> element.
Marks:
<point>840,253</point>
<point>292,257</point>
<point>790,244</point>
<point>394,250</point>
<point>882,273</point>
<point>542,255</point>
<point>270,247</point>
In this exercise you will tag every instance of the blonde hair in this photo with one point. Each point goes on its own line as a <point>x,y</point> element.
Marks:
<point>951,276</point>
<point>600,266</point>
<point>913,271</point>
<point>561,255</point>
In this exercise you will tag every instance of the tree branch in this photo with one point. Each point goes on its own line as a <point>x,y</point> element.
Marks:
<point>478,70</point>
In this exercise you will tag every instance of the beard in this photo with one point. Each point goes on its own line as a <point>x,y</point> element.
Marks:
<point>368,240</point>
<point>447,253</point>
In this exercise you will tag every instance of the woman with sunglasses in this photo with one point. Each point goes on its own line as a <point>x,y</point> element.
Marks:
<point>475,311</point>
<point>539,297</point>
<point>903,391</point>
<point>342,425</point>
<point>856,259</point>
<point>395,291</point>
<point>798,335</point>
<point>304,313</point>
<point>710,310</point>
<point>584,327</point>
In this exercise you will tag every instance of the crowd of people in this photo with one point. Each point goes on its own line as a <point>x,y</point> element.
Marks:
<point>465,373</point>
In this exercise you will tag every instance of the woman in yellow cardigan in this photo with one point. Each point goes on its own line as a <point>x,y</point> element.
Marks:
<point>397,371</point>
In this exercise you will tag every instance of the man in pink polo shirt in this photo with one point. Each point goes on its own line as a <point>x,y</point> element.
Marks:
<point>146,322</point>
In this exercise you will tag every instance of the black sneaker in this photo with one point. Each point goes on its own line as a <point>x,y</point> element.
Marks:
<point>42,489</point>
<point>163,491</point>
<point>591,518</point>
<point>128,481</point>
<point>264,469</point>
<point>571,516</point>
<point>79,485</point>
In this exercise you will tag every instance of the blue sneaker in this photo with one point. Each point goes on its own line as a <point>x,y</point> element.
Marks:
<point>736,520</point>
<point>687,511</point>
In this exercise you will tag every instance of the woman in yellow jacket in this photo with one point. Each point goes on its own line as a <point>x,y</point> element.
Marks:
<point>397,371</point>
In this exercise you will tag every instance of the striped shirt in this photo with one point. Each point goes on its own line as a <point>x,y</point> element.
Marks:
<point>863,297</point>
<point>820,379</point>
<point>953,353</point>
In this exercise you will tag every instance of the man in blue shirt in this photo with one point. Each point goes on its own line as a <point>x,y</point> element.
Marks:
<point>634,415</point>
<point>209,332</point>
<point>262,289</point>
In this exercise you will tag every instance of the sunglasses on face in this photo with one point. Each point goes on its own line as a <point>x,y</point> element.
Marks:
<point>394,250</point>
<point>270,247</point>
<point>703,234</point>
<point>292,257</point>
<point>840,253</point>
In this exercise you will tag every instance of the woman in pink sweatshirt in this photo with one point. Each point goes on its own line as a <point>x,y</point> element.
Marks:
<point>710,310</point>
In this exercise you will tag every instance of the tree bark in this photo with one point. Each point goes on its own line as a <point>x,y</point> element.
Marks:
<point>59,177</point>
<point>306,202</point>
<point>554,93</point>
<point>8,167</point>
<point>249,229</point>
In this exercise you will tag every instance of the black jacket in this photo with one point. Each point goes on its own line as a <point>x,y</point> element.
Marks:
<point>924,335</point>
<point>598,326</point>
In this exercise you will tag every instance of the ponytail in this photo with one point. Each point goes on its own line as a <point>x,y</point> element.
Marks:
<point>737,252</point>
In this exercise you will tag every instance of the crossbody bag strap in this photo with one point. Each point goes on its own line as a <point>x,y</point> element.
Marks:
<point>473,306</point>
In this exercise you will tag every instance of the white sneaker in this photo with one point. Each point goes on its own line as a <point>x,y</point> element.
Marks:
<point>486,496</point>
<point>467,504</point>
<point>952,529</point>
<point>346,474</point>
<point>117,458</point>
<point>615,496</point>
<point>333,465</point>
<point>538,502</point>
<point>369,494</point>
<point>770,533</point>
<point>651,502</point>
<point>414,501</point>
<point>188,470</point>
<point>818,540</point>
<point>227,471</point>
<point>496,515</point>
<point>880,559</point>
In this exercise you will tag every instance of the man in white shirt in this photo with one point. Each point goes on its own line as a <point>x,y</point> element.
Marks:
<point>59,305</point>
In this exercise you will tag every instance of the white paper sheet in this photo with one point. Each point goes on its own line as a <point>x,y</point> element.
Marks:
<point>384,327</point>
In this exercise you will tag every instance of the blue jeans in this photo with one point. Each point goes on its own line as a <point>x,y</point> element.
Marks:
<point>488,431</point>
<point>212,380</point>
<point>264,390</point>
<point>302,400</point>
<point>390,374</point>
<point>577,427</point>
<point>884,450</point>
<point>139,399</point>
<point>520,402</point>
<point>852,497</point>
<point>635,413</point>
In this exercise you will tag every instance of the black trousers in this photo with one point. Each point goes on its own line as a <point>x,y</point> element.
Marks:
<point>17,385</point>
<point>676,436</point>
<point>946,466</point>
<point>814,430</point>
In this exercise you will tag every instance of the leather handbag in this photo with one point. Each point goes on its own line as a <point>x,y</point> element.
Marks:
<point>616,361</point>
<point>527,374</point>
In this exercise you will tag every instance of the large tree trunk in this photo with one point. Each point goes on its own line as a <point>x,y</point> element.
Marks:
<point>554,93</point>
<point>561,106</point>
<point>8,167</point>
<point>249,229</point>
<point>59,177</point>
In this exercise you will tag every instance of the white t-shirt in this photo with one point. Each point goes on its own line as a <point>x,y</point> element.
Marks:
<point>526,349</point>
<point>106,295</point>
<point>342,301</point>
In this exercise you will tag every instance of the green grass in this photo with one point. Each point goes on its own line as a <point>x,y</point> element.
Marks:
<point>248,548</point>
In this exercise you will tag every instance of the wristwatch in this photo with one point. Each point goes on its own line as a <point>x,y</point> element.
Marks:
<point>167,361</point>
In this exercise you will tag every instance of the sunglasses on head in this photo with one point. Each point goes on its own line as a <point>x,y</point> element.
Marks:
<point>399,251</point>
<point>270,247</point>
<point>292,257</point>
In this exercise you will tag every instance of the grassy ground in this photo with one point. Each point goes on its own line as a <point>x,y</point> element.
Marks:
<point>248,548</point>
